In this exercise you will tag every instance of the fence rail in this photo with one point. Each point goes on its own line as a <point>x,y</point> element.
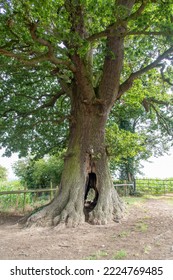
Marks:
<point>25,192</point>
<point>28,191</point>
<point>146,186</point>
<point>124,188</point>
<point>155,186</point>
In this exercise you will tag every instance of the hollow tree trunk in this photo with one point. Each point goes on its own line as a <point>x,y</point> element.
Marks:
<point>86,153</point>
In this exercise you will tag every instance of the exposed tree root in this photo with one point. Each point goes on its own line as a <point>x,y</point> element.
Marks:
<point>51,215</point>
<point>39,218</point>
<point>69,217</point>
<point>107,210</point>
<point>75,213</point>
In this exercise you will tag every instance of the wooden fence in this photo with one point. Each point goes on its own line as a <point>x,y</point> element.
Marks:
<point>154,186</point>
<point>124,188</point>
<point>51,191</point>
<point>145,186</point>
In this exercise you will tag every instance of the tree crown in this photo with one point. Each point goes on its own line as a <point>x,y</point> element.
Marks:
<point>111,50</point>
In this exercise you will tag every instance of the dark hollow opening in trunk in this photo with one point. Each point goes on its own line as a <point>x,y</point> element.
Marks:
<point>91,193</point>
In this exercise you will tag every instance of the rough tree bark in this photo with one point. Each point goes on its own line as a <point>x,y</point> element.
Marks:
<point>86,153</point>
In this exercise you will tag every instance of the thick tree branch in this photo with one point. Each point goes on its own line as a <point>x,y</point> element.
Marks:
<point>114,59</point>
<point>104,33</point>
<point>150,33</point>
<point>136,14</point>
<point>167,80</point>
<point>41,41</point>
<point>42,121</point>
<point>75,10</point>
<point>47,104</point>
<point>23,58</point>
<point>112,68</point>
<point>32,61</point>
<point>52,101</point>
<point>26,60</point>
<point>129,82</point>
<point>76,17</point>
<point>46,43</point>
<point>160,102</point>
<point>97,36</point>
<point>148,102</point>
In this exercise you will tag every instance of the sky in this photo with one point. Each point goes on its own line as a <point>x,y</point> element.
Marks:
<point>161,167</point>
<point>7,163</point>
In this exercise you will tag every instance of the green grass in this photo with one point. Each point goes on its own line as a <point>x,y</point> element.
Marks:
<point>120,255</point>
<point>123,234</point>
<point>141,226</point>
<point>97,255</point>
<point>131,200</point>
<point>167,199</point>
<point>147,249</point>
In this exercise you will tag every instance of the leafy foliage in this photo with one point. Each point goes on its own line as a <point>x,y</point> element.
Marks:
<point>40,44</point>
<point>144,114</point>
<point>3,173</point>
<point>40,173</point>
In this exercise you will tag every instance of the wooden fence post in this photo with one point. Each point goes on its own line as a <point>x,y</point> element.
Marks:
<point>125,189</point>
<point>164,187</point>
<point>24,199</point>
<point>134,186</point>
<point>51,192</point>
<point>17,199</point>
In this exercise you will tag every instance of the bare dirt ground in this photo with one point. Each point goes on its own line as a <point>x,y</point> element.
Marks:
<point>145,232</point>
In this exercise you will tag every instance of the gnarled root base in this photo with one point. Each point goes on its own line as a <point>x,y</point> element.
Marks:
<point>39,218</point>
<point>107,211</point>
<point>50,215</point>
<point>70,218</point>
<point>75,213</point>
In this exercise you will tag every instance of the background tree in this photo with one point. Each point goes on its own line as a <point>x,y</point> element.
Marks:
<point>149,118</point>
<point>40,173</point>
<point>3,173</point>
<point>64,64</point>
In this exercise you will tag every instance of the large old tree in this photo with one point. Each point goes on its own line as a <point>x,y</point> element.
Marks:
<point>85,54</point>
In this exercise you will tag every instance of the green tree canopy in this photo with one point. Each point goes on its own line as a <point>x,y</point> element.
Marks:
<point>3,173</point>
<point>40,173</point>
<point>143,126</point>
<point>64,66</point>
<point>37,69</point>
